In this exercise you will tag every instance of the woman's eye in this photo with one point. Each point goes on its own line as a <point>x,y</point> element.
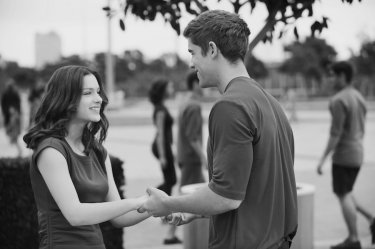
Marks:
<point>86,93</point>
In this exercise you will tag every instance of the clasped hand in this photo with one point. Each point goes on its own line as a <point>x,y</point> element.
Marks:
<point>155,203</point>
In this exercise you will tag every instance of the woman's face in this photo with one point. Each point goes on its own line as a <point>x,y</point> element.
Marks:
<point>88,109</point>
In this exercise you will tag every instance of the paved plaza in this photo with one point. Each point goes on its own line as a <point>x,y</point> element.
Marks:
<point>131,133</point>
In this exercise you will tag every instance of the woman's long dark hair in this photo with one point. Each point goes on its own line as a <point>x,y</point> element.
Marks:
<point>59,104</point>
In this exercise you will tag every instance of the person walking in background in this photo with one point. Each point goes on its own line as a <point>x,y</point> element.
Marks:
<point>251,197</point>
<point>162,144</point>
<point>290,97</point>
<point>70,170</point>
<point>35,99</point>
<point>190,155</point>
<point>11,109</point>
<point>348,111</point>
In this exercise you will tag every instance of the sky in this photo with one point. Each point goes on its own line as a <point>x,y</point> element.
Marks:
<point>83,28</point>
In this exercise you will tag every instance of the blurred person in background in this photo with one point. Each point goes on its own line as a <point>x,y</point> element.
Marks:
<point>190,153</point>
<point>348,111</point>
<point>161,147</point>
<point>11,109</point>
<point>35,98</point>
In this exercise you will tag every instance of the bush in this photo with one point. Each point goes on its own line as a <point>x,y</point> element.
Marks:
<point>18,216</point>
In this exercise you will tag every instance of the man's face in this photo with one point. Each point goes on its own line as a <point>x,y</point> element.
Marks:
<point>337,81</point>
<point>203,65</point>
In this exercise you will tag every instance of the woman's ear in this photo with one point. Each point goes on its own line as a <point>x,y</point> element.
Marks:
<point>213,50</point>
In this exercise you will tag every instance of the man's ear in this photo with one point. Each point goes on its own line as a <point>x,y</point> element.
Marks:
<point>213,50</point>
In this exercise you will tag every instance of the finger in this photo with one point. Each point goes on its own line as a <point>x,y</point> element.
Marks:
<point>141,210</point>
<point>169,218</point>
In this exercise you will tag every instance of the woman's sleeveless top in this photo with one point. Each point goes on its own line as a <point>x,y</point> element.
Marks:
<point>90,181</point>
<point>168,123</point>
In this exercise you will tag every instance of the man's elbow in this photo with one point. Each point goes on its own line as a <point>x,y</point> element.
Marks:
<point>234,204</point>
<point>229,205</point>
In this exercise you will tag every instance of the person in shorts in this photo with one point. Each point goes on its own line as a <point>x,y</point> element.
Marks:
<point>348,112</point>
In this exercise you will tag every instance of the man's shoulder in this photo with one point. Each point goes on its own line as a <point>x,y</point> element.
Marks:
<point>340,96</point>
<point>190,106</point>
<point>345,95</point>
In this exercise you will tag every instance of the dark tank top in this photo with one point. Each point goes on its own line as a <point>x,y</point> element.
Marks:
<point>90,181</point>
<point>168,123</point>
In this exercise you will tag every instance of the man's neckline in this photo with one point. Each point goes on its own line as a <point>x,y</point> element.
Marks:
<point>231,81</point>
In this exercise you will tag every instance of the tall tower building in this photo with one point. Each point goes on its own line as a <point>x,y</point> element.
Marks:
<point>47,49</point>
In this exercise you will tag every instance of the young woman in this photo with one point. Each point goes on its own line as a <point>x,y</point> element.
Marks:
<point>162,144</point>
<point>70,171</point>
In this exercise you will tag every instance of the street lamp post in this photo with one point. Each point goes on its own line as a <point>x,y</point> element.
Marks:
<point>109,68</point>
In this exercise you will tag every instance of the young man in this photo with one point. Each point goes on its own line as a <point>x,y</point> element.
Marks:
<point>348,111</point>
<point>190,154</point>
<point>251,196</point>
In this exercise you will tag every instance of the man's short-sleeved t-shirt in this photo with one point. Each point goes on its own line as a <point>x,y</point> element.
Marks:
<point>190,123</point>
<point>250,158</point>
<point>348,112</point>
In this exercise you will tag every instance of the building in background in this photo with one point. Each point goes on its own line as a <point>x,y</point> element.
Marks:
<point>47,48</point>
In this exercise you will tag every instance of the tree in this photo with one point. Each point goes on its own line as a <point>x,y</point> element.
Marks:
<point>24,77</point>
<point>309,58</point>
<point>285,12</point>
<point>364,63</point>
<point>256,68</point>
<point>46,72</point>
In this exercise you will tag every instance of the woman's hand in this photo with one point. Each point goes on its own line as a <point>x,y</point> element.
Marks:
<point>179,219</point>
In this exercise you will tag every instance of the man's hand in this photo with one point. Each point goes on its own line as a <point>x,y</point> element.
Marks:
<point>155,204</point>
<point>179,219</point>
<point>319,168</point>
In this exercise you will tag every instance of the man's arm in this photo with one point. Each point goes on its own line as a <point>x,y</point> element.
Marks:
<point>331,145</point>
<point>337,109</point>
<point>203,201</point>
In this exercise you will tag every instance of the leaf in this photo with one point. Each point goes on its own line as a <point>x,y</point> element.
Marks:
<point>122,25</point>
<point>316,26</point>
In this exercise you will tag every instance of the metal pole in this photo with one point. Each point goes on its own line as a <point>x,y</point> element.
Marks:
<point>109,75</point>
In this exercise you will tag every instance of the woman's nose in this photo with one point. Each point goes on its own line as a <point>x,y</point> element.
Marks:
<point>98,98</point>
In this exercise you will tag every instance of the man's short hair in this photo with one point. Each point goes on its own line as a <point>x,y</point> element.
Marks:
<point>191,79</point>
<point>343,67</point>
<point>228,31</point>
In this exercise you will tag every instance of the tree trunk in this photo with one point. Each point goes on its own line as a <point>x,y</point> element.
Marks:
<point>270,23</point>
